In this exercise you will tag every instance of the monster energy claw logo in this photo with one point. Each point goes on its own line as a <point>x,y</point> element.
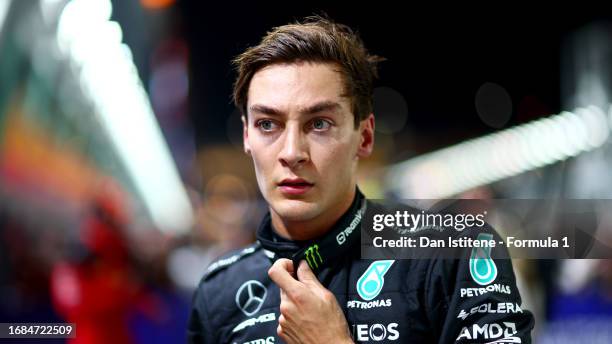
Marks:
<point>482,267</point>
<point>313,258</point>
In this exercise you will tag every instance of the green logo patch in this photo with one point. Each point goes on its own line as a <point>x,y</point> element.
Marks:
<point>482,266</point>
<point>313,258</point>
<point>371,282</point>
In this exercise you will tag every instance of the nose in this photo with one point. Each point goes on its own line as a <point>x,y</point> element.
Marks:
<point>295,150</point>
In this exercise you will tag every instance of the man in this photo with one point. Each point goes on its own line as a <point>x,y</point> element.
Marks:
<point>305,93</point>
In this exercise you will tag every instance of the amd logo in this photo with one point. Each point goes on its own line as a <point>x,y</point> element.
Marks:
<point>503,332</point>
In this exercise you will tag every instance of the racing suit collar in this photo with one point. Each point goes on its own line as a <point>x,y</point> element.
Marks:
<point>320,252</point>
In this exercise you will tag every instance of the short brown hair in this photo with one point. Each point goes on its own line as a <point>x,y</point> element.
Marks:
<point>316,39</point>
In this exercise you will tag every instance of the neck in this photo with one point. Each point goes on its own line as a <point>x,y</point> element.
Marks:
<point>311,228</point>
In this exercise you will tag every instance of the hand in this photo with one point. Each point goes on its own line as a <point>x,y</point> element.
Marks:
<point>309,312</point>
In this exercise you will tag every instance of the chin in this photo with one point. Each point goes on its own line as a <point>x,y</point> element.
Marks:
<point>295,210</point>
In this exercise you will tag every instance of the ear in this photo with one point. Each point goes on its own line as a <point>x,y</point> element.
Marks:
<point>366,133</point>
<point>245,135</point>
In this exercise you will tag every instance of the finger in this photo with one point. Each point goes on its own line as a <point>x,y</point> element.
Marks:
<point>287,311</point>
<point>288,335</point>
<point>282,333</point>
<point>288,265</point>
<point>281,273</point>
<point>306,276</point>
<point>283,295</point>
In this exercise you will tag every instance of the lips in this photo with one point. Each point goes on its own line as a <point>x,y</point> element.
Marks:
<point>295,182</point>
<point>295,186</point>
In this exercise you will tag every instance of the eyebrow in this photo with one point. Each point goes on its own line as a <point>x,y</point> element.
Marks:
<point>327,105</point>
<point>266,110</point>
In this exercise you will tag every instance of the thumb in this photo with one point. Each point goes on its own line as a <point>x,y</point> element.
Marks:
<point>281,273</point>
<point>306,276</point>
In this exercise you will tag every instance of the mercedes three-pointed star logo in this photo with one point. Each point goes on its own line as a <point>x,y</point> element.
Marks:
<point>250,297</point>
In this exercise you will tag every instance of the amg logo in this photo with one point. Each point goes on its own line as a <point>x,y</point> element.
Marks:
<point>252,321</point>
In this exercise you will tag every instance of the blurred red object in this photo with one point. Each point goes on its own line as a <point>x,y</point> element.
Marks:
<point>96,293</point>
<point>102,232</point>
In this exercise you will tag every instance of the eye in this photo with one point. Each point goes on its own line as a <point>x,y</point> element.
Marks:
<point>266,125</point>
<point>320,124</point>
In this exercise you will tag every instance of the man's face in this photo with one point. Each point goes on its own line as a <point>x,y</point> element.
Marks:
<point>301,135</point>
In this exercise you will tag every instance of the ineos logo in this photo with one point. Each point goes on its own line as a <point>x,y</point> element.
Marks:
<point>250,297</point>
<point>375,332</point>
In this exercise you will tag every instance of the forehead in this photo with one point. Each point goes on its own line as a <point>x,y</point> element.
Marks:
<point>297,85</point>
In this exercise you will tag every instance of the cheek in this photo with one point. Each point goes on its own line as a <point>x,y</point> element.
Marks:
<point>263,160</point>
<point>259,161</point>
<point>334,159</point>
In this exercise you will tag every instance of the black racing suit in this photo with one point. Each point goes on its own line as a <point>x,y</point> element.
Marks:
<point>389,301</point>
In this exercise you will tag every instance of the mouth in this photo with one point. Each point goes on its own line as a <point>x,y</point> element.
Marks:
<point>295,186</point>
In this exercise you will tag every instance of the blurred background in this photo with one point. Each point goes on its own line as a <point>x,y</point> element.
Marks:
<point>122,175</point>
